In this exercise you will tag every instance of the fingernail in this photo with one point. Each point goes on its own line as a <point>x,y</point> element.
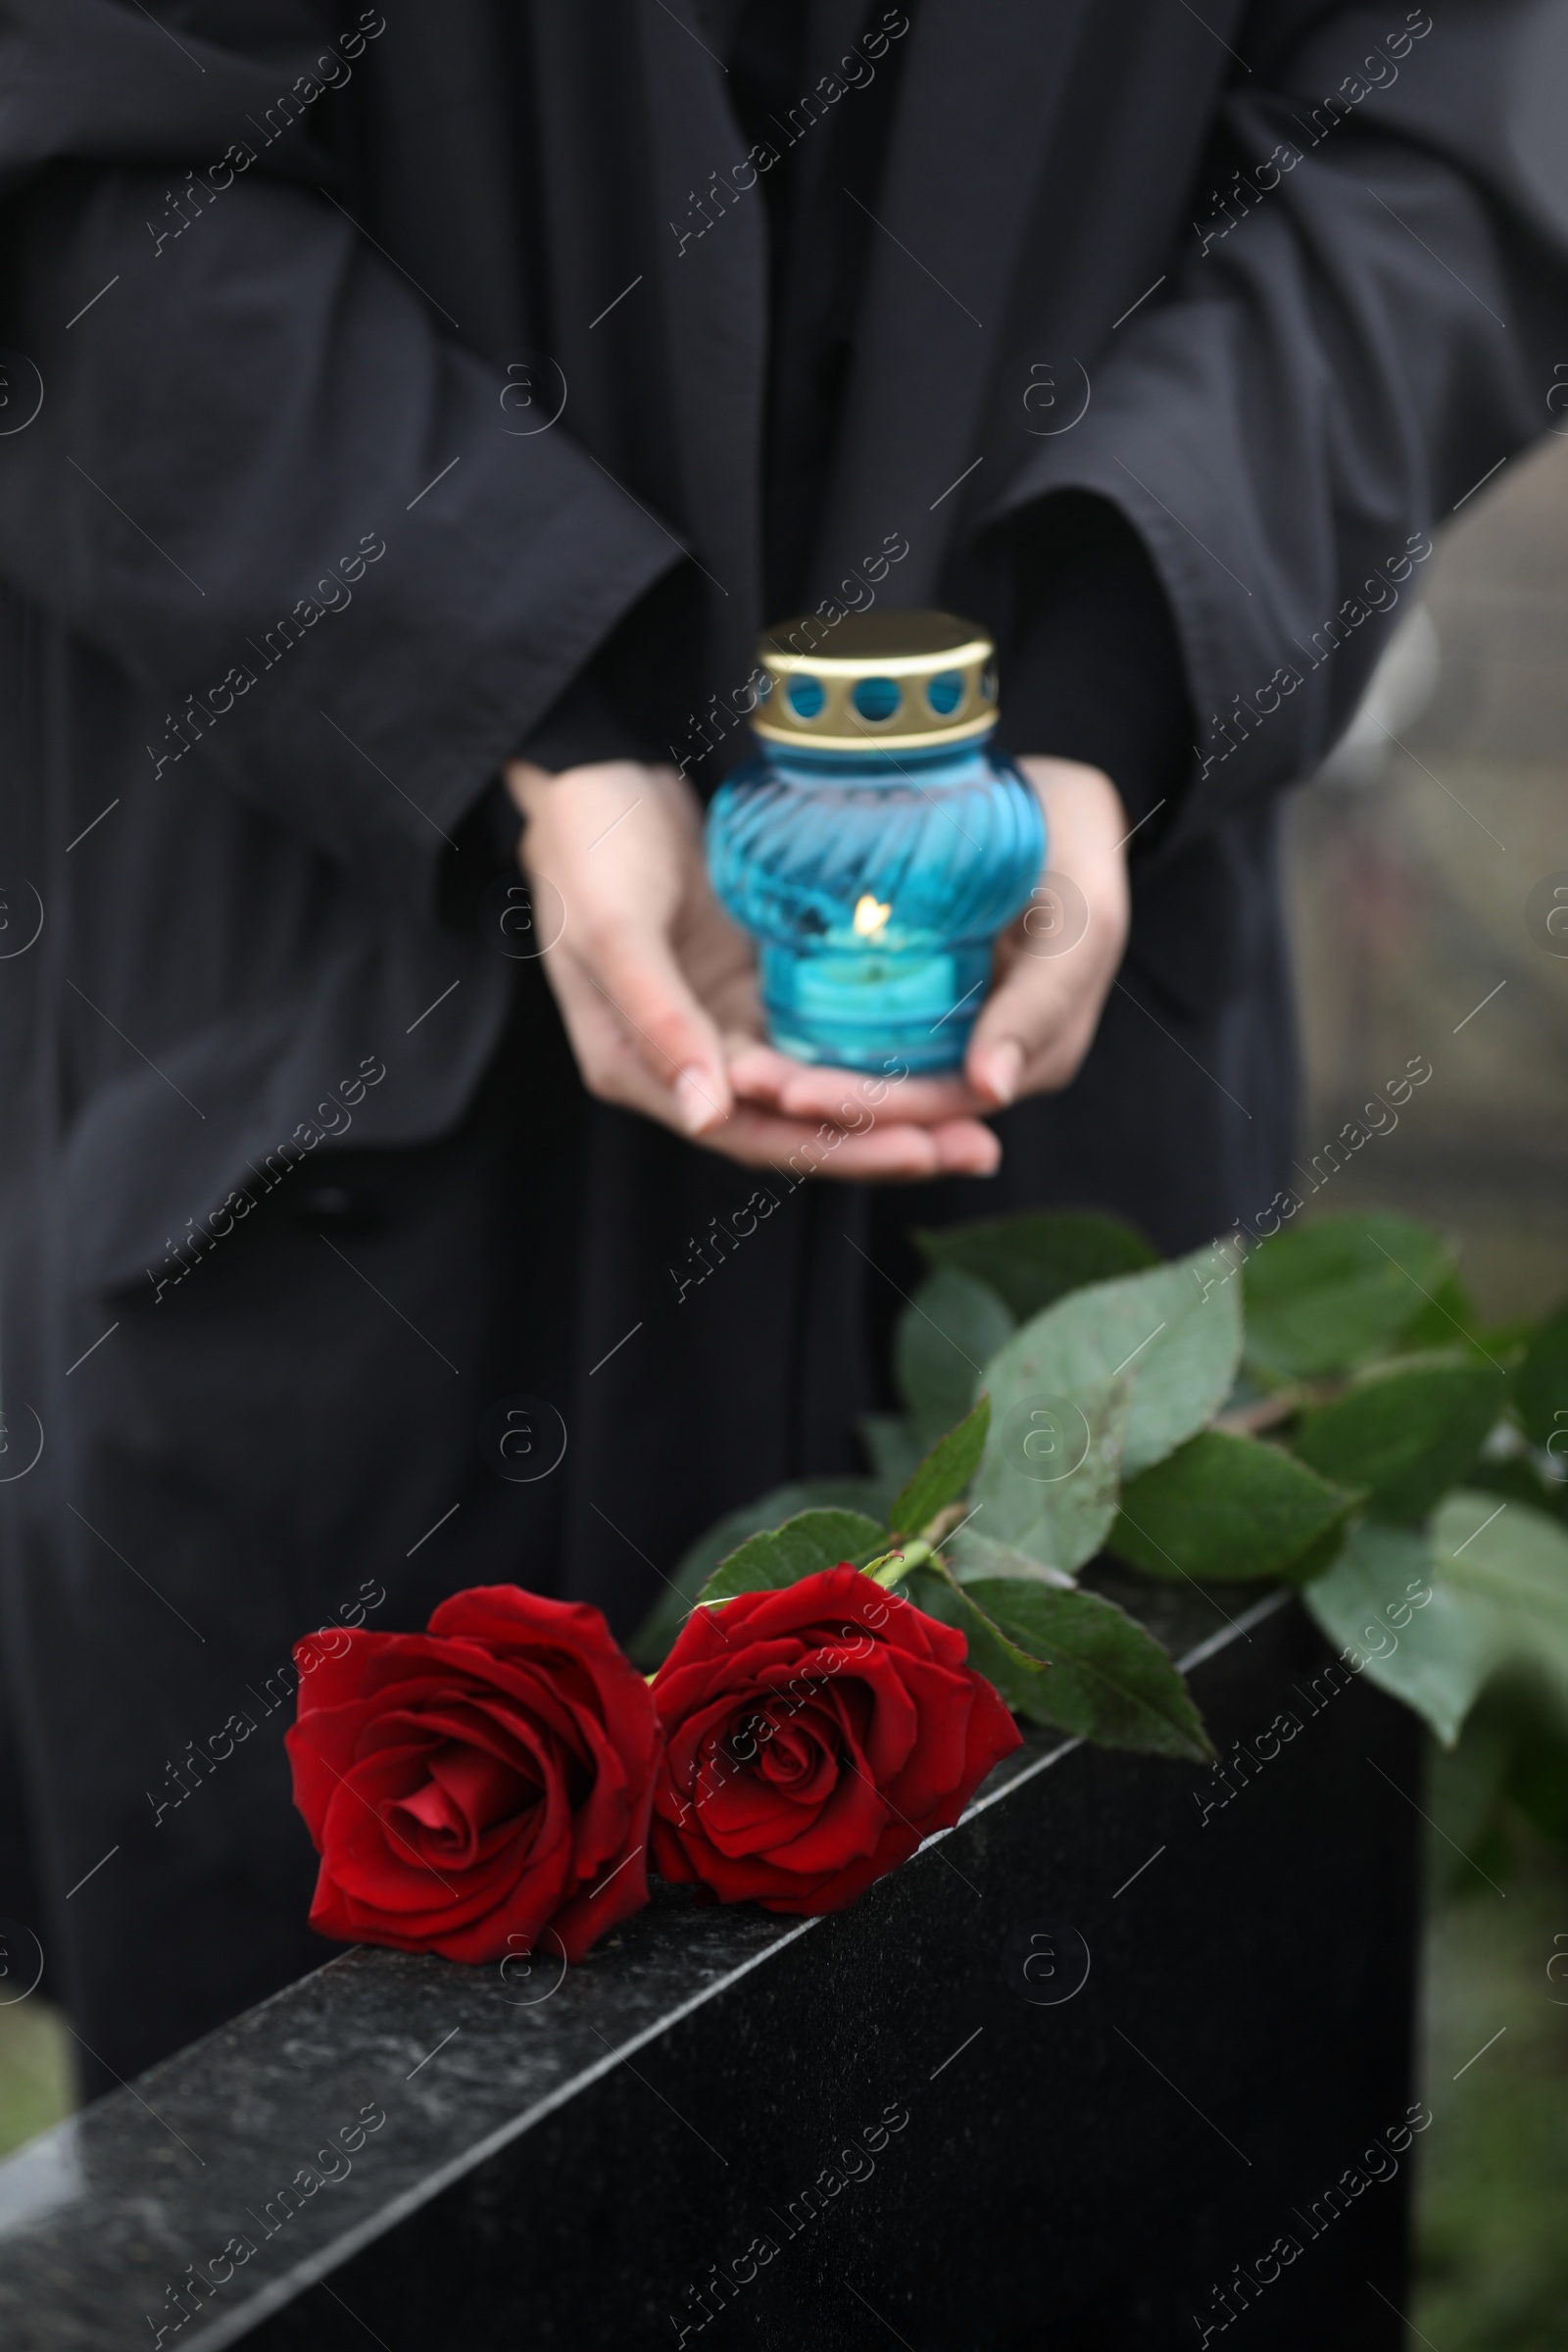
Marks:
<point>696,1098</point>
<point>1003,1067</point>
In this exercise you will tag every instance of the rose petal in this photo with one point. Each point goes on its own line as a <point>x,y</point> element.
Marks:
<point>816,1742</point>
<point>475,1783</point>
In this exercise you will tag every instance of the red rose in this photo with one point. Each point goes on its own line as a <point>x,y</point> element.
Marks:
<point>476,1783</point>
<point>813,1738</point>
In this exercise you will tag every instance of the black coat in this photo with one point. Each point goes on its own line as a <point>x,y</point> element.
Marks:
<point>254,399</point>
<point>238,414</point>
<point>298,548</point>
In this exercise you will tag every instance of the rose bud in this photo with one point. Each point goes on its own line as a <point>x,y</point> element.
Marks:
<point>813,1738</point>
<point>474,1785</point>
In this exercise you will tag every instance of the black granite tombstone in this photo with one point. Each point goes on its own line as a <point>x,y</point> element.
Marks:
<point>1122,2062</point>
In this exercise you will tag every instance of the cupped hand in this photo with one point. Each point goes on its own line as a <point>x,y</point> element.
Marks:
<point>1051,975</point>
<point>657,991</point>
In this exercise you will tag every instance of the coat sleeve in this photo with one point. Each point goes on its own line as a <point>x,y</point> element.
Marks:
<point>1091,666</point>
<point>1358,325</point>
<point>268,477</point>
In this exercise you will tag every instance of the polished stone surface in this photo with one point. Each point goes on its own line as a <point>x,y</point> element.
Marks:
<point>567,2156</point>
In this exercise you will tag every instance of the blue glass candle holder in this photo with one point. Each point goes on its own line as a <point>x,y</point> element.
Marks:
<point>878,842</point>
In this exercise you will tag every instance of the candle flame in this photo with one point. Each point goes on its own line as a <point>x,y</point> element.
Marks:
<point>871,917</point>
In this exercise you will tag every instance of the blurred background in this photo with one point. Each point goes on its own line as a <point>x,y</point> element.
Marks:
<point>1413,858</point>
<point>1411,861</point>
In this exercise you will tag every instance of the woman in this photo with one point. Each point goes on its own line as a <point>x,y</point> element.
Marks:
<point>414,419</point>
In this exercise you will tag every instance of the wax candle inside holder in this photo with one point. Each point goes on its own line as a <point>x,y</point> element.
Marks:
<point>878,843</point>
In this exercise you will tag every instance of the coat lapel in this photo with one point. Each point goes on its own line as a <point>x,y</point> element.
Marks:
<point>981,89</point>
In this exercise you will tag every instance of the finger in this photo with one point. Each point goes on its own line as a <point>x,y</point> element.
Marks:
<point>1028,1031</point>
<point>967,1148</point>
<point>611,1064</point>
<point>889,1154</point>
<point>840,1094</point>
<point>816,1148</point>
<point>884,1151</point>
<point>636,973</point>
<point>761,1074</point>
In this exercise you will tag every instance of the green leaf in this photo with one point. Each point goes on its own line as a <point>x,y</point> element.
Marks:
<point>1511,1567</point>
<point>1498,1577</point>
<point>1370,1606</point>
<point>802,1546</point>
<point>1406,1433</point>
<point>974,1555</point>
<point>1541,1385</point>
<point>1511,1763</point>
<point>1181,1328</point>
<point>944,1474</point>
<point>1319,1557</point>
<point>1034,1258</point>
<point>1107,1382</point>
<point>1017,1675</point>
<point>649,1645</point>
<point>1447,1319</point>
<point>891,1444</point>
<point>1109,1681</point>
<point>1173,1333</point>
<point>1060,1521</point>
<point>1223,1508</point>
<point>1322,1298</point>
<point>945,1337</point>
<point>1508,1339</point>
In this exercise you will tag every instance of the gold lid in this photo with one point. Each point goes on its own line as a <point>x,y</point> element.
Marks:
<point>915,679</point>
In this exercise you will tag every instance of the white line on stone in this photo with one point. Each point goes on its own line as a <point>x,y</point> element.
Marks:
<point>959,2052</point>
<point>435,2053</point>
<point>1138,1873</point>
